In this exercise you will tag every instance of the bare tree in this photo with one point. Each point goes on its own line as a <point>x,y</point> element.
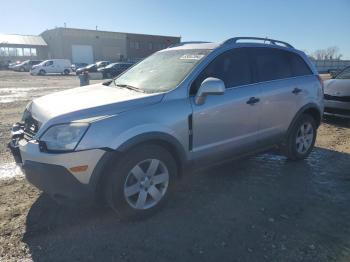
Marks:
<point>330,53</point>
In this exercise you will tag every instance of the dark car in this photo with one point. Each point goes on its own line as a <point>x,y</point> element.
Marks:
<point>114,69</point>
<point>25,66</point>
<point>101,64</point>
<point>90,68</point>
<point>76,66</point>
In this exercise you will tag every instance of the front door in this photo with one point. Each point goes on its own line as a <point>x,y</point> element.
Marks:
<point>226,124</point>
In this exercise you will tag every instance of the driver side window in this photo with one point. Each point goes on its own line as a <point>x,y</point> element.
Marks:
<point>232,67</point>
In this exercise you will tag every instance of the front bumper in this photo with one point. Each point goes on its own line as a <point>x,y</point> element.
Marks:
<point>52,173</point>
<point>337,108</point>
<point>58,182</point>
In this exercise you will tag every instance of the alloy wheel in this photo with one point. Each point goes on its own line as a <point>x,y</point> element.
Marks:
<point>146,184</point>
<point>304,139</point>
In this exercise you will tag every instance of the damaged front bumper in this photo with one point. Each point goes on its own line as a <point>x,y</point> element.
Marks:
<point>17,134</point>
<point>54,173</point>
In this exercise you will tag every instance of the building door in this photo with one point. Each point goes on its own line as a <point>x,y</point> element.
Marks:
<point>82,54</point>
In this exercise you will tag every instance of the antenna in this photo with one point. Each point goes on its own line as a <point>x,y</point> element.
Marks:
<point>65,25</point>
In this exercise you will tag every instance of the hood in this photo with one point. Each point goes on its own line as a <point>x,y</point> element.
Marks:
<point>337,87</point>
<point>89,102</point>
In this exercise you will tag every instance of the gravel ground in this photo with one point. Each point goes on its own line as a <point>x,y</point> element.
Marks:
<point>262,208</point>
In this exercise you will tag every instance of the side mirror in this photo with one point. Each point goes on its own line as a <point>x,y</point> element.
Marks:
<point>210,86</point>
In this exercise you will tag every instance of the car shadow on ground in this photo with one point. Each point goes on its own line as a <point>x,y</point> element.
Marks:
<point>337,121</point>
<point>261,208</point>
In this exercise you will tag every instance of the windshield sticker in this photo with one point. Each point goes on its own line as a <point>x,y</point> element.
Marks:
<point>191,57</point>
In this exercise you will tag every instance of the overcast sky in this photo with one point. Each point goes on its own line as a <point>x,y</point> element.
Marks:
<point>306,24</point>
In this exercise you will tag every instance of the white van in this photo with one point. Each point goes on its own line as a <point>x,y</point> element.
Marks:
<point>52,66</point>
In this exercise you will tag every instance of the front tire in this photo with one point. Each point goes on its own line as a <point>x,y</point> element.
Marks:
<point>140,183</point>
<point>301,138</point>
<point>42,72</point>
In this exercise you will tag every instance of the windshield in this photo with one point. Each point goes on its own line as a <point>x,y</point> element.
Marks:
<point>345,74</point>
<point>43,62</point>
<point>162,71</point>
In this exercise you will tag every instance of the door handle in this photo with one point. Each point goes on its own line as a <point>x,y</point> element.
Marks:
<point>296,91</point>
<point>253,100</point>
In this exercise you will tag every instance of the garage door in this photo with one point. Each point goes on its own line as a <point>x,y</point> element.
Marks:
<point>82,54</point>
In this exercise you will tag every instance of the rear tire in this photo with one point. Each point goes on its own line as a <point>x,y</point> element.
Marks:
<point>66,72</point>
<point>141,181</point>
<point>301,138</point>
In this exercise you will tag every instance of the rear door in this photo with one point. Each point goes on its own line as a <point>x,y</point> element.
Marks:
<point>226,124</point>
<point>279,91</point>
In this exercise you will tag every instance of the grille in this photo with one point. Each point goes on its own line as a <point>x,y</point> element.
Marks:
<point>31,127</point>
<point>337,98</point>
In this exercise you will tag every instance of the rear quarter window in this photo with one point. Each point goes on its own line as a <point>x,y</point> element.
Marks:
<point>298,65</point>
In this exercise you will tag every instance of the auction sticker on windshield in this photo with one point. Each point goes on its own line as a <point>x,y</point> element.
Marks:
<point>191,57</point>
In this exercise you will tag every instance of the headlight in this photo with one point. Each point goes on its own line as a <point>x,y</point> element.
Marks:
<point>64,137</point>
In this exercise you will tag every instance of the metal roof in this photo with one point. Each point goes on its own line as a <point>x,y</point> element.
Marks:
<point>28,40</point>
<point>193,45</point>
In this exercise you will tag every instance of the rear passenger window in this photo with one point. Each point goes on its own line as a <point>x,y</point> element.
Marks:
<point>232,67</point>
<point>271,64</point>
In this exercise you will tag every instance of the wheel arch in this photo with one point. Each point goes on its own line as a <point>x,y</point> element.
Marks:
<point>170,143</point>
<point>311,109</point>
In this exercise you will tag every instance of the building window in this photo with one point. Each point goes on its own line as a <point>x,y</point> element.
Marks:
<point>4,51</point>
<point>26,51</point>
<point>132,44</point>
<point>33,52</point>
<point>19,51</point>
<point>150,46</point>
<point>137,45</point>
<point>12,51</point>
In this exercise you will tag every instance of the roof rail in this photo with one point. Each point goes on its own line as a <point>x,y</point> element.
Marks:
<point>271,41</point>
<point>188,43</point>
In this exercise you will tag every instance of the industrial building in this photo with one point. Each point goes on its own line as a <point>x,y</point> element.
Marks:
<point>82,45</point>
<point>87,46</point>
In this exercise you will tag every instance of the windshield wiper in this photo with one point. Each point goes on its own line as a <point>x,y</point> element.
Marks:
<point>130,87</point>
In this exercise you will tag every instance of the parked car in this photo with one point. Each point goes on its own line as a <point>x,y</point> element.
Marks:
<point>101,64</point>
<point>4,65</point>
<point>12,65</point>
<point>25,66</point>
<point>89,68</point>
<point>192,105</point>
<point>337,95</point>
<point>76,66</point>
<point>114,69</point>
<point>52,66</point>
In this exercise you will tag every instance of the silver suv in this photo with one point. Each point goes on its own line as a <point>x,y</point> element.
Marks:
<point>127,141</point>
